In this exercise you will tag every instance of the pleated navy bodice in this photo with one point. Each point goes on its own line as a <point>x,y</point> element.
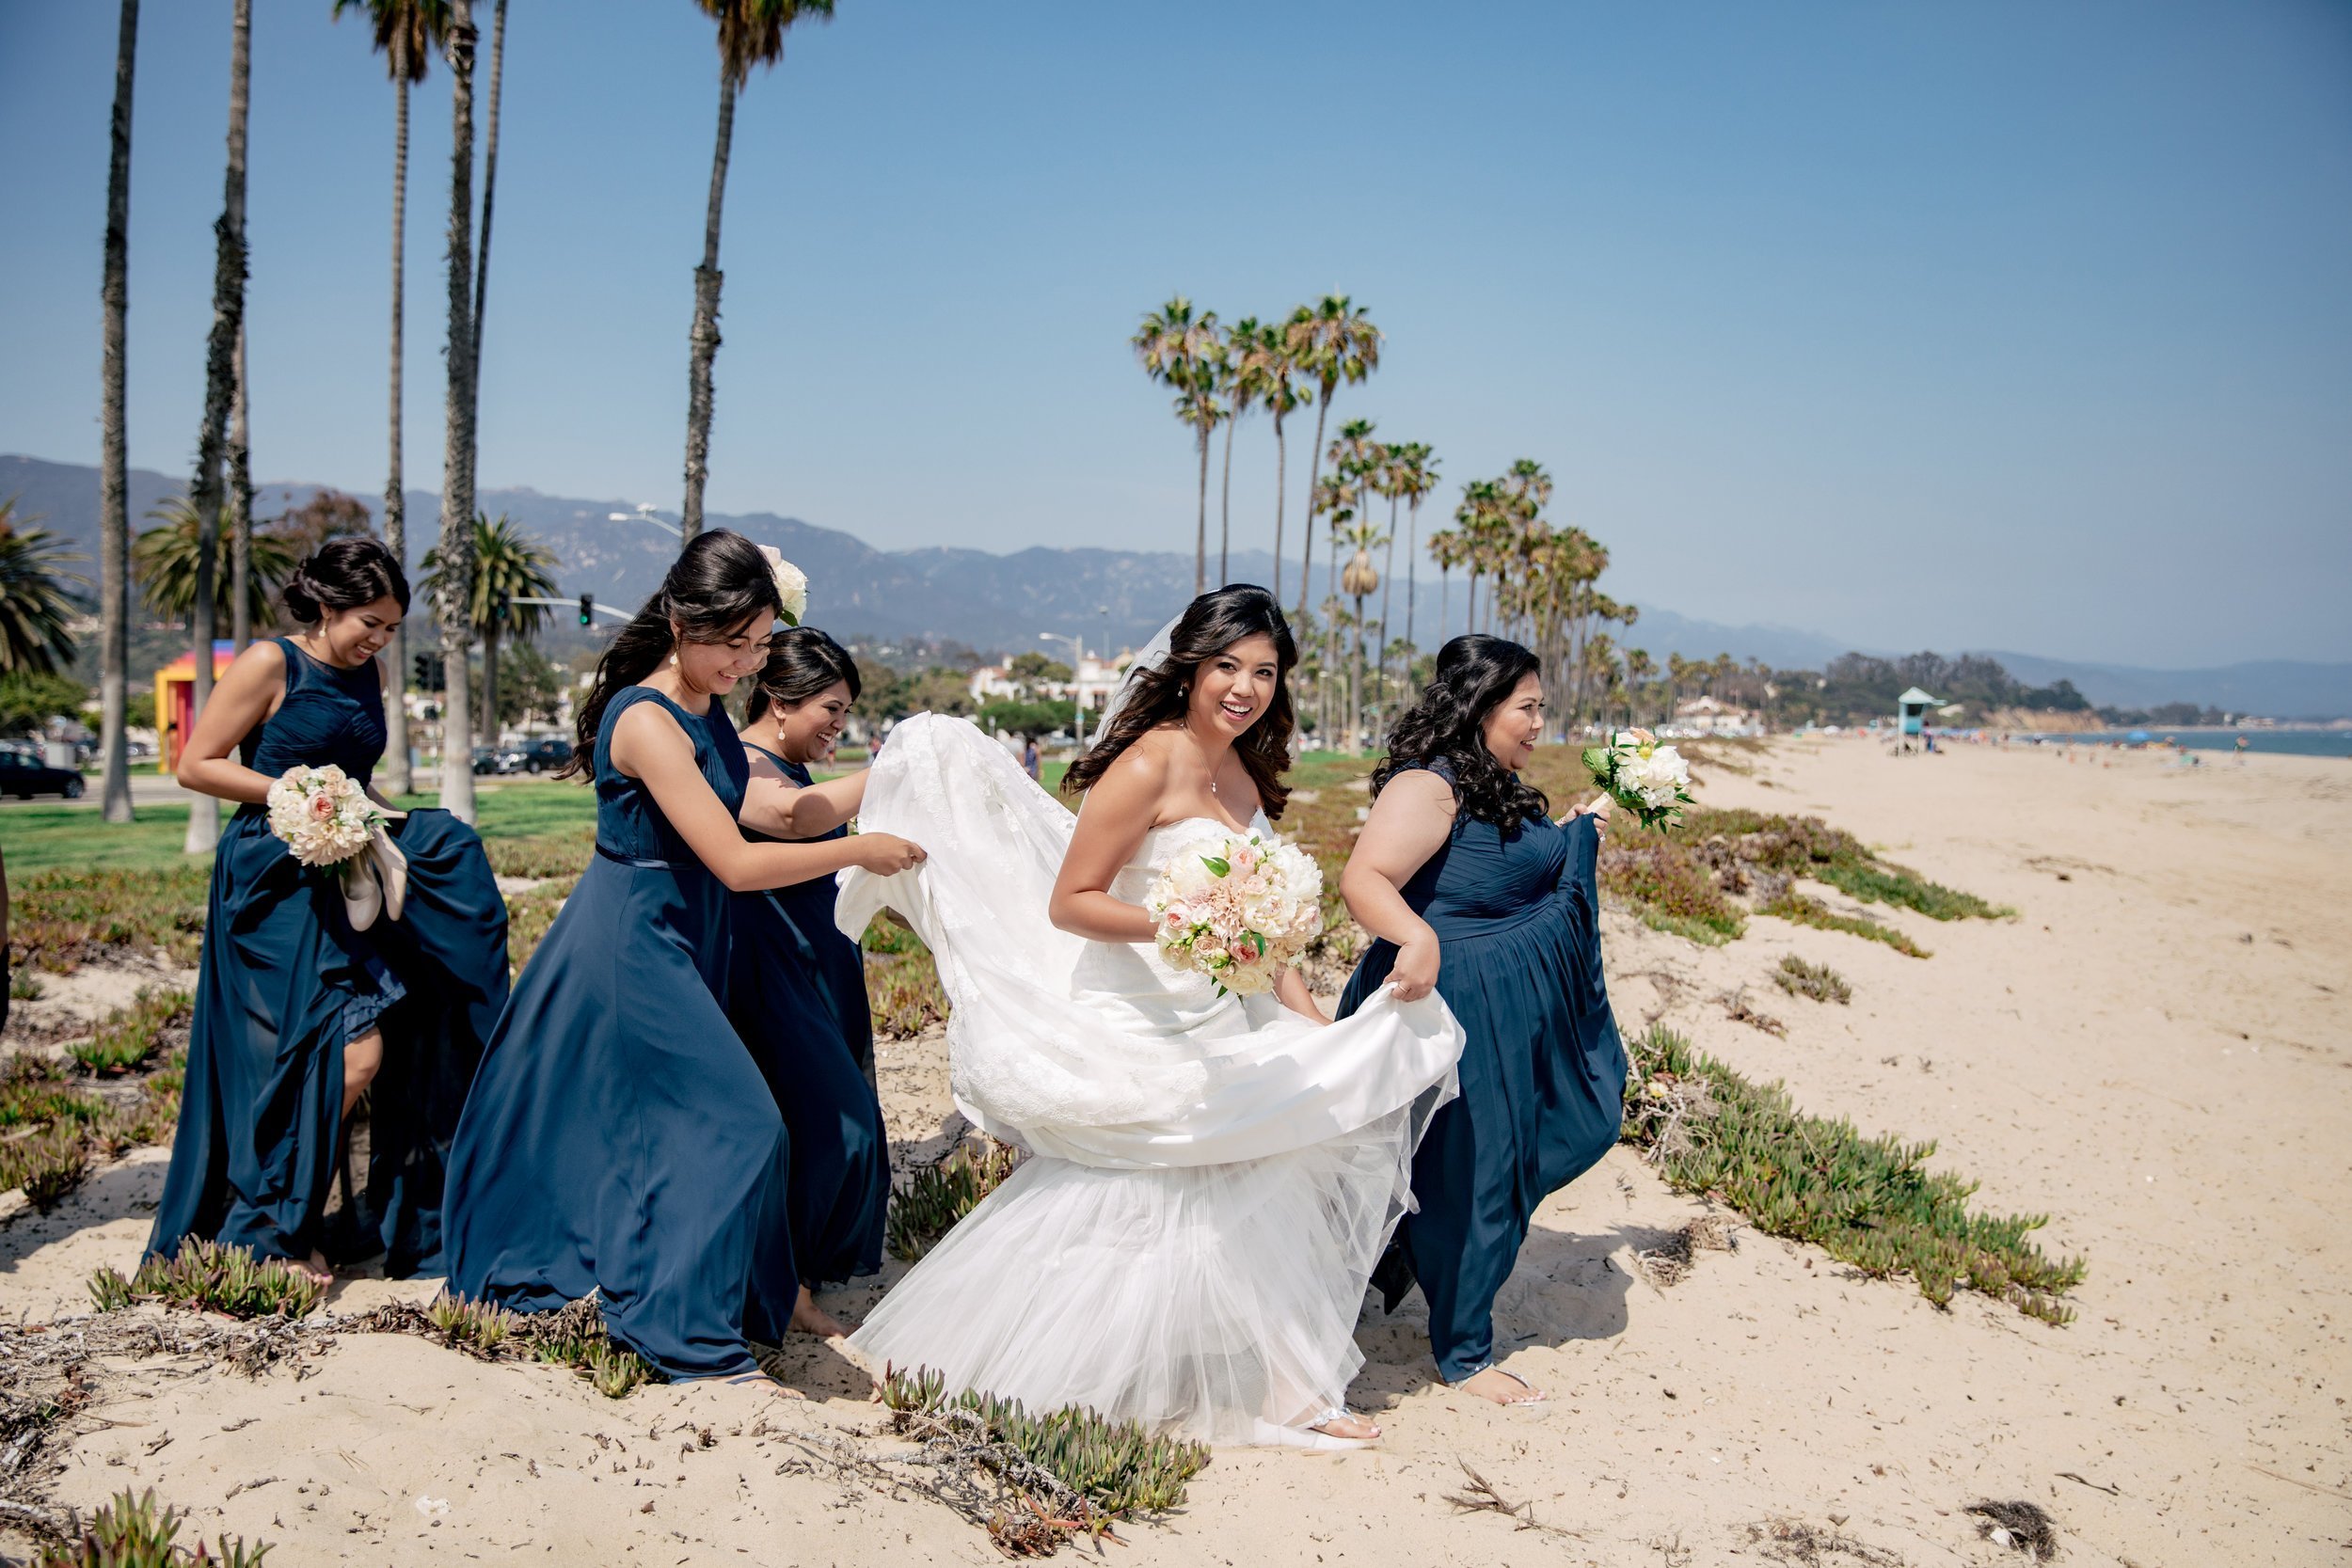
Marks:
<point>329,717</point>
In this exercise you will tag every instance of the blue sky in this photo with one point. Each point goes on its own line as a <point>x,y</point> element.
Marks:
<point>2002,325</point>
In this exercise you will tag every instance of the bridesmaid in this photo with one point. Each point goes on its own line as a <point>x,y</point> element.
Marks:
<point>297,1013</point>
<point>798,990</point>
<point>1472,888</point>
<point>619,1139</point>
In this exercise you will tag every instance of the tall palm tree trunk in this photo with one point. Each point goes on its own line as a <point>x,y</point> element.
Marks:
<point>703,343</point>
<point>490,189</point>
<point>1387,585</point>
<point>219,389</point>
<point>491,681</point>
<point>1314,472</point>
<point>114,526</point>
<point>1281,459</point>
<point>456,541</point>
<point>1445,592</point>
<point>1412,578</point>
<point>1201,537</point>
<point>1225,510</point>
<point>240,509</point>
<point>397,779</point>
<point>1356,685</point>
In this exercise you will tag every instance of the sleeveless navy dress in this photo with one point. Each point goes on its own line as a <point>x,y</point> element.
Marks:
<point>284,983</point>
<point>619,1138</point>
<point>1516,916</point>
<point>798,997</point>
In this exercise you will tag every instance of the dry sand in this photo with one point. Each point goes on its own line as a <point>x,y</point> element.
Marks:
<point>2153,1053</point>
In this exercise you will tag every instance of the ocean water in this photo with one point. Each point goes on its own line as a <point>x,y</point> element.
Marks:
<point>2307,743</point>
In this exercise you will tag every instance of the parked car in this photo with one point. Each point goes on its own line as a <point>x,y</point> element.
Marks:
<point>546,755</point>
<point>487,759</point>
<point>29,776</point>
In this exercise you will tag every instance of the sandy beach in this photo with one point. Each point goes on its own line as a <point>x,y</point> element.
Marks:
<point>2153,1053</point>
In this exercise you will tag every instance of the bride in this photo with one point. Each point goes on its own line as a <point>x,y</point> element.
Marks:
<point>1212,1176</point>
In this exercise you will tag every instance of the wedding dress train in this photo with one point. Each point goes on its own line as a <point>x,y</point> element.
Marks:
<point>1212,1178</point>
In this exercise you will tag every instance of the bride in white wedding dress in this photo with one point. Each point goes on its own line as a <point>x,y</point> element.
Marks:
<point>1212,1178</point>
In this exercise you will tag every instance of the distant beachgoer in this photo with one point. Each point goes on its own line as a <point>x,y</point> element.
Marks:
<point>1031,762</point>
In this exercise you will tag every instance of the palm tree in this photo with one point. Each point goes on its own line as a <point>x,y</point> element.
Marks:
<point>509,565</point>
<point>490,187</point>
<point>228,267</point>
<point>240,508</point>
<point>1273,379</point>
<point>1241,379</point>
<point>751,32</point>
<point>1415,477</point>
<point>458,404</point>
<point>114,525</point>
<point>1335,341</point>
<point>34,608</point>
<point>1358,580</point>
<point>1180,349</point>
<point>1639,668</point>
<point>1334,497</point>
<point>164,561</point>
<point>407,32</point>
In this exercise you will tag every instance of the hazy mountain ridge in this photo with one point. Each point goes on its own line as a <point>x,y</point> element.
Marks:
<point>1001,602</point>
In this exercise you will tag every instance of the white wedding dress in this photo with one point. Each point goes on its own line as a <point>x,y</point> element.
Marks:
<point>1211,1177</point>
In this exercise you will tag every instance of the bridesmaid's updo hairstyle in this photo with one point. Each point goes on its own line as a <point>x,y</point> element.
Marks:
<point>347,573</point>
<point>1211,624</point>
<point>803,662</point>
<point>1475,674</point>
<point>718,582</point>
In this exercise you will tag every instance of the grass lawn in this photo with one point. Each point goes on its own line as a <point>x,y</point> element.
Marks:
<point>45,837</point>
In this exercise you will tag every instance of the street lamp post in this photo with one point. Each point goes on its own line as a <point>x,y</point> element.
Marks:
<point>644,514</point>
<point>1077,692</point>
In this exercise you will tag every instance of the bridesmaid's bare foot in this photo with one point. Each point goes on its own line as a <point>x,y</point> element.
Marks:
<point>809,1317</point>
<point>1349,1425</point>
<point>1502,1387</point>
<point>318,1270</point>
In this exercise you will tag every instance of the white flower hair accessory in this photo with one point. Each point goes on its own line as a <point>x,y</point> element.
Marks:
<point>791,584</point>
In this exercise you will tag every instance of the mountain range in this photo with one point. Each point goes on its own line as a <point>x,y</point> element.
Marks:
<point>1001,603</point>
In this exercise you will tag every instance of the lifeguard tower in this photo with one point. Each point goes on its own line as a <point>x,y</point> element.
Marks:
<point>175,700</point>
<point>1911,715</point>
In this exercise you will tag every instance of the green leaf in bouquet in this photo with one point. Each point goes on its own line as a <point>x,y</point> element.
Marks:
<point>1596,761</point>
<point>1217,865</point>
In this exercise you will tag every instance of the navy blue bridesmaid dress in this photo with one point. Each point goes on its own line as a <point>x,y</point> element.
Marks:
<point>619,1138</point>
<point>797,996</point>
<point>284,983</point>
<point>1516,916</point>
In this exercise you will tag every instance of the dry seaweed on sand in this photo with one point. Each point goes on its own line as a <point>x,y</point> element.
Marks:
<point>1480,1496</point>
<point>1793,1540</point>
<point>2021,1526</point>
<point>1671,1261</point>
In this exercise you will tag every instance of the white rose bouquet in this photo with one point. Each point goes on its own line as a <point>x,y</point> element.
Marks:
<point>322,815</point>
<point>1646,779</point>
<point>1239,908</point>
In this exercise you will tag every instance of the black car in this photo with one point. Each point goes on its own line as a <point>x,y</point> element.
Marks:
<point>489,759</point>
<point>544,756</point>
<point>21,775</point>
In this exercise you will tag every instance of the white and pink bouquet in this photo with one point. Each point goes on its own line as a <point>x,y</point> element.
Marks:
<point>322,815</point>
<point>1646,779</point>
<point>1238,908</point>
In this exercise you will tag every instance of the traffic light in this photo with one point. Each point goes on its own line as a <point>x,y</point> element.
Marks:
<point>430,670</point>
<point>587,609</point>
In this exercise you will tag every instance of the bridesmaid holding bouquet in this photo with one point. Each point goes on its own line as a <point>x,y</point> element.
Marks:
<point>1473,890</point>
<point>620,1139</point>
<point>798,991</point>
<point>305,998</point>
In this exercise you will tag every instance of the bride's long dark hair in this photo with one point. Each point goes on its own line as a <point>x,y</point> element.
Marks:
<point>1211,624</point>
<point>718,582</point>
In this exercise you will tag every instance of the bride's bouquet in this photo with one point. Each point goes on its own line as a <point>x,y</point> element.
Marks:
<point>1238,908</point>
<point>1646,779</point>
<point>328,820</point>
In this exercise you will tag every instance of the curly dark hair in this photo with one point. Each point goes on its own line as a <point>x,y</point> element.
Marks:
<point>345,574</point>
<point>718,582</point>
<point>1475,674</point>
<point>1211,624</point>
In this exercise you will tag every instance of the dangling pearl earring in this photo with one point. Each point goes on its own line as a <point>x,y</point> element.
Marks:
<point>673,658</point>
